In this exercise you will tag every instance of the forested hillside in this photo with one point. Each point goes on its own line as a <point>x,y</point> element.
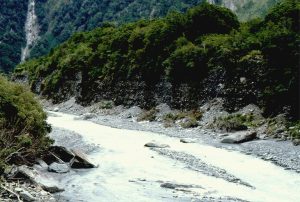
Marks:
<point>12,35</point>
<point>59,19</point>
<point>182,59</point>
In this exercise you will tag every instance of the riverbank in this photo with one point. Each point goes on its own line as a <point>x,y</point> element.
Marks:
<point>279,152</point>
<point>156,167</point>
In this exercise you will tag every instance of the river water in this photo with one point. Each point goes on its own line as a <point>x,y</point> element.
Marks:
<point>128,171</point>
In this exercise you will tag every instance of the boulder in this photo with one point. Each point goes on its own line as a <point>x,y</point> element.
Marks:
<point>239,137</point>
<point>168,185</point>
<point>81,160</point>
<point>59,167</point>
<point>62,153</point>
<point>156,145</point>
<point>86,116</point>
<point>40,179</point>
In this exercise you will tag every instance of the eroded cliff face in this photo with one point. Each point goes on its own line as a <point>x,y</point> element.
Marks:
<point>31,30</point>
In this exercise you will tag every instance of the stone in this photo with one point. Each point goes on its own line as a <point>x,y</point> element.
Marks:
<point>186,140</point>
<point>296,142</point>
<point>26,196</point>
<point>81,160</point>
<point>239,137</point>
<point>156,145</point>
<point>59,167</point>
<point>86,116</point>
<point>18,189</point>
<point>56,109</point>
<point>168,185</point>
<point>243,80</point>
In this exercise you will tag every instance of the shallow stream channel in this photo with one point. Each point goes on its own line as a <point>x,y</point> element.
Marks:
<point>129,171</point>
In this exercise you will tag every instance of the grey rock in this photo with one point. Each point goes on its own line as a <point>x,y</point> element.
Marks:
<point>27,196</point>
<point>59,167</point>
<point>239,137</point>
<point>61,154</point>
<point>86,116</point>
<point>156,145</point>
<point>81,160</point>
<point>39,178</point>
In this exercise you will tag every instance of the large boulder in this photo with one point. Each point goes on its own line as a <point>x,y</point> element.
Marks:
<point>36,177</point>
<point>62,153</point>
<point>239,137</point>
<point>81,160</point>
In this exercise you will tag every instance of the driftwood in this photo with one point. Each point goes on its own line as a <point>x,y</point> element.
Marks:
<point>12,192</point>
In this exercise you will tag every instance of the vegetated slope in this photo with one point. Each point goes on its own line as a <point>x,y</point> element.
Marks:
<point>182,59</point>
<point>23,126</point>
<point>59,19</point>
<point>12,36</point>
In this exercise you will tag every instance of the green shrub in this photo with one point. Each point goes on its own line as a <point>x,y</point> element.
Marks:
<point>148,115</point>
<point>294,130</point>
<point>23,126</point>
<point>106,104</point>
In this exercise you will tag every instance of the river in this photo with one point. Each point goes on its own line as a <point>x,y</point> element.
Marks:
<point>128,171</point>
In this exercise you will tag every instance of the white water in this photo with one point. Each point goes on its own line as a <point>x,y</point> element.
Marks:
<point>123,159</point>
<point>31,30</point>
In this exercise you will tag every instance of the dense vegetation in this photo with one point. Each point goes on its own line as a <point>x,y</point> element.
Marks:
<point>59,19</point>
<point>23,126</point>
<point>256,62</point>
<point>12,36</point>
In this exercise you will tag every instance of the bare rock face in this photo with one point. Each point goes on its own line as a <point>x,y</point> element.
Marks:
<point>239,137</point>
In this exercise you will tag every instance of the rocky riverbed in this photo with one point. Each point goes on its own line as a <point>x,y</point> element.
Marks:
<point>157,167</point>
<point>278,151</point>
<point>151,162</point>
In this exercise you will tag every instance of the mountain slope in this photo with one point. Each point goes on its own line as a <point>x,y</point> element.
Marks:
<point>182,60</point>
<point>12,35</point>
<point>59,19</point>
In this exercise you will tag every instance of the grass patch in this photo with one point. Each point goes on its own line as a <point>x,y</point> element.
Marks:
<point>106,104</point>
<point>294,130</point>
<point>236,122</point>
<point>189,119</point>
